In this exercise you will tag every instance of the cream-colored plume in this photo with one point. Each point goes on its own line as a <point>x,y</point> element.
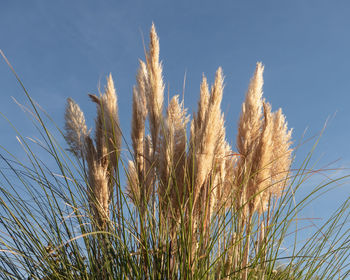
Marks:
<point>207,134</point>
<point>155,89</point>
<point>133,184</point>
<point>107,134</point>
<point>250,121</point>
<point>260,186</point>
<point>249,131</point>
<point>137,188</point>
<point>139,114</point>
<point>282,152</point>
<point>75,128</point>
<point>172,156</point>
<point>99,189</point>
<point>263,143</point>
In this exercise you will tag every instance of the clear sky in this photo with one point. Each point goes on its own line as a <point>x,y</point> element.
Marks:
<point>65,49</point>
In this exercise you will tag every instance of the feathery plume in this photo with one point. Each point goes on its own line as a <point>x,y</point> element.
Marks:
<point>259,188</point>
<point>208,135</point>
<point>108,134</point>
<point>197,123</point>
<point>207,138</point>
<point>155,89</point>
<point>140,182</point>
<point>229,188</point>
<point>264,148</point>
<point>172,155</point>
<point>149,169</point>
<point>249,131</point>
<point>133,185</point>
<point>75,128</point>
<point>202,104</point>
<point>98,191</point>
<point>223,178</point>
<point>282,152</point>
<point>103,159</point>
<point>139,114</point>
<point>250,119</point>
<point>138,170</point>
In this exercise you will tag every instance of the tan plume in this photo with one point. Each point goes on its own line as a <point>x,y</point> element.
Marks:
<point>75,128</point>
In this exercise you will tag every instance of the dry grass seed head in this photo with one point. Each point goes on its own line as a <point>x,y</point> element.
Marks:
<point>209,132</point>
<point>108,134</point>
<point>139,114</point>
<point>133,184</point>
<point>172,154</point>
<point>282,152</point>
<point>75,128</point>
<point>202,103</point>
<point>98,190</point>
<point>149,174</point>
<point>155,90</point>
<point>229,188</point>
<point>249,131</point>
<point>250,120</point>
<point>207,136</point>
<point>137,169</point>
<point>260,188</point>
<point>140,182</point>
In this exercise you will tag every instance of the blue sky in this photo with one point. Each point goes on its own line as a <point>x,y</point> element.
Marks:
<point>65,49</point>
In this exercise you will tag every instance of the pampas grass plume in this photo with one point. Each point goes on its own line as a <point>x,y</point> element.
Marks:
<point>75,127</point>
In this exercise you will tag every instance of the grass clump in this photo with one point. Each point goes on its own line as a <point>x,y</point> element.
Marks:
<point>180,207</point>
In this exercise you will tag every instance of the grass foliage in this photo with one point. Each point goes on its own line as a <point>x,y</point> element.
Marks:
<point>171,206</point>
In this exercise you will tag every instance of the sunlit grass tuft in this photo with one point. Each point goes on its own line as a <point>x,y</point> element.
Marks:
<point>173,206</point>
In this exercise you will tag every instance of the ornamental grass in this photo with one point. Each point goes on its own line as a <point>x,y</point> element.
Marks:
<point>178,201</point>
